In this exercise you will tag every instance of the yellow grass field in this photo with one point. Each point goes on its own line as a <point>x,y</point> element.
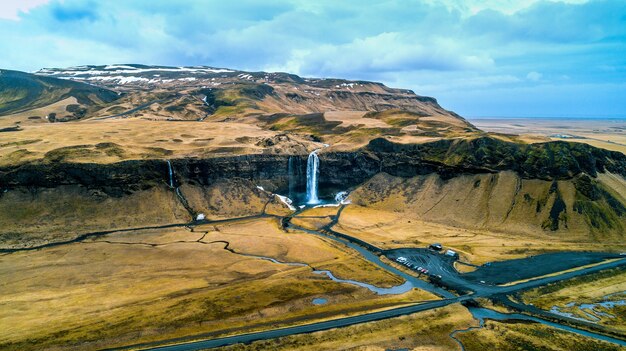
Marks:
<point>503,336</point>
<point>423,331</point>
<point>387,229</point>
<point>149,285</point>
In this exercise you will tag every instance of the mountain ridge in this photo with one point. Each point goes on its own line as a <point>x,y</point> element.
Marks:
<point>293,93</point>
<point>21,91</point>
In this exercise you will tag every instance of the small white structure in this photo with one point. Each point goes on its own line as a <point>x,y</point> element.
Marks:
<point>200,217</point>
<point>451,253</point>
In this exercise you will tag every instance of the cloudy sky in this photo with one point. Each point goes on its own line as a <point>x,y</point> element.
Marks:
<point>510,58</point>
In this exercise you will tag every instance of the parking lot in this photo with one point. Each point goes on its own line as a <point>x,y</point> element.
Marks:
<point>435,265</point>
<point>424,261</point>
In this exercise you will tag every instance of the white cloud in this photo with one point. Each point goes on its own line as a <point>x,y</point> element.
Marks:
<point>471,7</point>
<point>442,48</point>
<point>10,9</point>
<point>534,76</point>
<point>384,53</point>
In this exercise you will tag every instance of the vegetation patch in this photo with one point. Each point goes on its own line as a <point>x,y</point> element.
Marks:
<point>602,211</point>
<point>313,123</point>
<point>515,336</point>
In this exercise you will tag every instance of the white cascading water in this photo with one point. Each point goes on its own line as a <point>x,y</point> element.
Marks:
<point>169,166</point>
<point>312,173</point>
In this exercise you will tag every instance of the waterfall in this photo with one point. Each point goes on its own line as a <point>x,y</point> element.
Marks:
<point>312,173</point>
<point>169,166</point>
<point>180,195</point>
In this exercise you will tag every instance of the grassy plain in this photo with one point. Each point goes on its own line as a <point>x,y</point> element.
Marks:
<point>149,285</point>
<point>522,336</point>
<point>130,138</point>
<point>428,330</point>
<point>595,288</point>
<point>387,229</point>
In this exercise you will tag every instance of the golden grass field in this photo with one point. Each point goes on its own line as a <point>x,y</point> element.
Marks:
<point>430,331</point>
<point>131,139</point>
<point>423,331</point>
<point>502,202</point>
<point>143,137</point>
<point>388,229</point>
<point>149,285</point>
<point>33,218</point>
<point>503,336</point>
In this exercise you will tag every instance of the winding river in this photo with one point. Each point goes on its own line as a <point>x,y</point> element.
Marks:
<point>481,314</point>
<point>394,290</point>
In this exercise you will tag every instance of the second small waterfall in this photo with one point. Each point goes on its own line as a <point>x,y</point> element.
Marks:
<point>312,174</point>
<point>169,167</point>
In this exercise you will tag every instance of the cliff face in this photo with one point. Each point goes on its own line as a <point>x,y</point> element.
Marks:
<point>448,158</point>
<point>553,187</point>
<point>548,161</point>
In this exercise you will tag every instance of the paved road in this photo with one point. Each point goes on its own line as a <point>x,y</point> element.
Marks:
<point>438,264</point>
<point>479,290</point>
<point>308,328</point>
<point>364,318</point>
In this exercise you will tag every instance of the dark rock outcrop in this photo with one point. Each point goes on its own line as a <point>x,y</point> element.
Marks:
<point>448,158</point>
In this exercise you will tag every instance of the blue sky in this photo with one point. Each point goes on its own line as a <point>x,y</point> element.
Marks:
<point>510,58</point>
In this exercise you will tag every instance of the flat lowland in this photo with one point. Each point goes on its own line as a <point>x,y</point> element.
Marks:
<point>428,330</point>
<point>509,336</point>
<point>593,290</point>
<point>431,331</point>
<point>390,229</point>
<point>604,133</point>
<point>148,285</point>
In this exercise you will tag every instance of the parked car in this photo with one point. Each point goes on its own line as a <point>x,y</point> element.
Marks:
<point>435,246</point>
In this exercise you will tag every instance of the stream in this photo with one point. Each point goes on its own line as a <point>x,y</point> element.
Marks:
<point>481,314</point>
<point>590,310</point>
<point>399,289</point>
<point>410,281</point>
